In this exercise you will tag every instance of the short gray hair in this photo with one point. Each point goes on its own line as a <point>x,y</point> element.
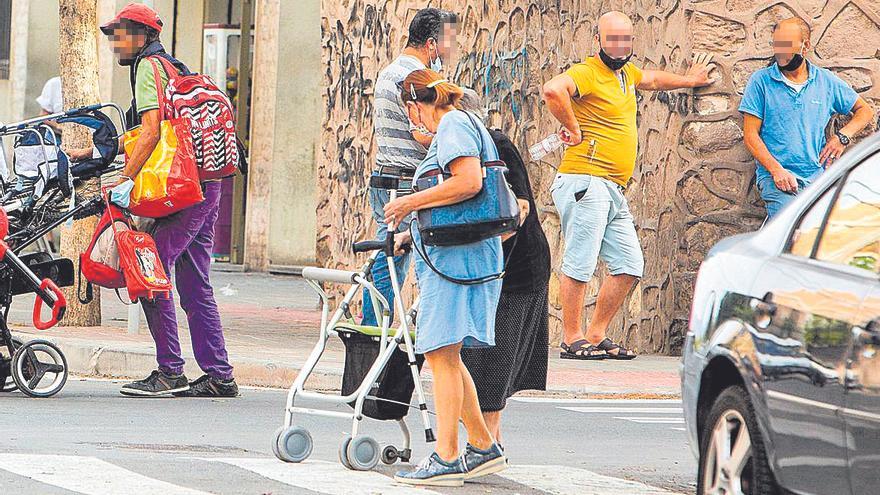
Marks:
<point>806,31</point>
<point>470,101</point>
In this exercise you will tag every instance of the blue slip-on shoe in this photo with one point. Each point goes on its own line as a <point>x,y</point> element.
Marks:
<point>478,463</point>
<point>434,471</point>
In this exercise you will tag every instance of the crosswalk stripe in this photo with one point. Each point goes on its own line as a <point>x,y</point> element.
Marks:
<point>645,410</point>
<point>88,475</point>
<point>559,480</point>
<point>330,478</point>
<point>650,420</point>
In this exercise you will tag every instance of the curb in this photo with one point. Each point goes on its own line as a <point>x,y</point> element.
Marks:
<point>109,361</point>
<point>137,360</point>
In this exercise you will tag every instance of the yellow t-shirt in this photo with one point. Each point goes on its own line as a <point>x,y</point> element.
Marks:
<point>606,113</point>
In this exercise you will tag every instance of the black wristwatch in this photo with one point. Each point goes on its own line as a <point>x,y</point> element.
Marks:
<point>844,140</point>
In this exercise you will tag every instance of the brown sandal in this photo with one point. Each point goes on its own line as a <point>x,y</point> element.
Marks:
<point>582,349</point>
<point>622,353</point>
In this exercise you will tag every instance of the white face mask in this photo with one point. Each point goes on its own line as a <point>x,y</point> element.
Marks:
<point>436,64</point>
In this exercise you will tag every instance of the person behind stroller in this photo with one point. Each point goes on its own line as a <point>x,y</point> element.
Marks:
<point>184,240</point>
<point>451,316</point>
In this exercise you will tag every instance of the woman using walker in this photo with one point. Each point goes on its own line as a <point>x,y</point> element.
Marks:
<point>451,315</point>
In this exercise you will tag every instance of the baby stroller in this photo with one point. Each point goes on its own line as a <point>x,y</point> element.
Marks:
<point>381,369</point>
<point>42,197</point>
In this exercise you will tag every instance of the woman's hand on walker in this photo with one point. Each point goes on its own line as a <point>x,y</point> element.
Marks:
<point>400,240</point>
<point>397,210</point>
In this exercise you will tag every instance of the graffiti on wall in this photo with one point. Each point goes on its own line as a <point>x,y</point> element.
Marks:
<point>694,179</point>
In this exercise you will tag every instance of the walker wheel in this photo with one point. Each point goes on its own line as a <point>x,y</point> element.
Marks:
<point>390,455</point>
<point>363,453</point>
<point>294,444</point>
<point>39,369</point>
<point>6,361</point>
<point>343,452</point>
<point>275,441</point>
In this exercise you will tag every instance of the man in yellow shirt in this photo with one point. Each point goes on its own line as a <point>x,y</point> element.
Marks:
<point>596,103</point>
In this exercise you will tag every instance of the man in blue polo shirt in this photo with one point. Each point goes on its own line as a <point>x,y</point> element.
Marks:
<point>786,109</point>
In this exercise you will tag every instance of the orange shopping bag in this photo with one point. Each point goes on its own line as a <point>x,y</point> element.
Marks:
<point>169,180</point>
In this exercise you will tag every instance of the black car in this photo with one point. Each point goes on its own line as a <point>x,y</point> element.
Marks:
<point>781,365</point>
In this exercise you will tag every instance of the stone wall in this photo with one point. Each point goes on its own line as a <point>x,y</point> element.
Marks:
<point>694,178</point>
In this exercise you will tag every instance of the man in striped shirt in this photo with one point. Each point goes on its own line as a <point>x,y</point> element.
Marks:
<point>400,146</point>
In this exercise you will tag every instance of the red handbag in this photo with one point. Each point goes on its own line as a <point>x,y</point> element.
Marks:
<point>169,180</point>
<point>100,261</point>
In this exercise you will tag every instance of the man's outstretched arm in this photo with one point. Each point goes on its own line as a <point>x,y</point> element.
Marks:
<point>697,76</point>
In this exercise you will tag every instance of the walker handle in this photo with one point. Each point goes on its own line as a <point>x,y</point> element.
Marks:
<point>58,307</point>
<point>367,246</point>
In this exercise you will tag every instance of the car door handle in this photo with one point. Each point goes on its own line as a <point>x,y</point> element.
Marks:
<point>764,306</point>
<point>869,335</point>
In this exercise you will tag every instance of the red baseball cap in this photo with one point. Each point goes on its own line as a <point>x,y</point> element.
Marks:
<point>135,12</point>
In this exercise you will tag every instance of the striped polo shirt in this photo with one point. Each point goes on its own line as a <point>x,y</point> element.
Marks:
<point>396,145</point>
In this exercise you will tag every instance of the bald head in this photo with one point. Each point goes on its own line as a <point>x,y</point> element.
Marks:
<point>793,27</point>
<point>615,34</point>
<point>614,21</point>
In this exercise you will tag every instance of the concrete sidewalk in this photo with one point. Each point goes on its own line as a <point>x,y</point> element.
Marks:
<point>271,325</point>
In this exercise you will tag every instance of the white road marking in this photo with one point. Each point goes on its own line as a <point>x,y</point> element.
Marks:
<point>646,410</point>
<point>559,480</point>
<point>650,420</point>
<point>323,477</point>
<point>607,402</point>
<point>88,475</point>
<point>678,429</point>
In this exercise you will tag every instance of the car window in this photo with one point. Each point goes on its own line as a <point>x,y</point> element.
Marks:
<point>804,236</point>
<point>852,235</point>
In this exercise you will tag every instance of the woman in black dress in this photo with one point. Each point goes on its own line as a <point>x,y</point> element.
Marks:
<point>519,359</point>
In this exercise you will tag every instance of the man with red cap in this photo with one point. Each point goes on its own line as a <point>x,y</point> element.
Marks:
<point>185,240</point>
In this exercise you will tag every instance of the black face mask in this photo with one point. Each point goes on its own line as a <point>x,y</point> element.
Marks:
<point>611,62</point>
<point>793,64</point>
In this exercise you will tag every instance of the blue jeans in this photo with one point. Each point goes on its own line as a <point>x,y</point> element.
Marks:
<point>381,276</point>
<point>774,199</point>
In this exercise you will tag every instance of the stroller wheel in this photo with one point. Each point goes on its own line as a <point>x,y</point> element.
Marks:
<point>343,452</point>
<point>294,444</point>
<point>363,453</point>
<point>39,369</point>
<point>8,384</point>
<point>390,455</point>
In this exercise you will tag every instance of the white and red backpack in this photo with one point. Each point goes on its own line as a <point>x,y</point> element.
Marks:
<point>196,97</point>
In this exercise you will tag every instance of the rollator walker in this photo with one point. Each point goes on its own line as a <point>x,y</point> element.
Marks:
<point>376,381</point>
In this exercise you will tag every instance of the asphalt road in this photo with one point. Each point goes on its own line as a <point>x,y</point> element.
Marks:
<point>91,440</point>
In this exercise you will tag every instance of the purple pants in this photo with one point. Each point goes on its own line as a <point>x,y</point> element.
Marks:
<point>185,241</point>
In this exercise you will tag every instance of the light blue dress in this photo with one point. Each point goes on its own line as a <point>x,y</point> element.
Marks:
<point>451,313</point>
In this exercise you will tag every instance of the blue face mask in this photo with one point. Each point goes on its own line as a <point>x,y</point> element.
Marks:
<point>121,194</point>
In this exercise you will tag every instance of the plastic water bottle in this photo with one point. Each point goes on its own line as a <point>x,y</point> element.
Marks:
<point>548,145</point>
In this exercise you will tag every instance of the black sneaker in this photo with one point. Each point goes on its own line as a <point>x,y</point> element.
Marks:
<point>157,384</point>
<point>208,386</point>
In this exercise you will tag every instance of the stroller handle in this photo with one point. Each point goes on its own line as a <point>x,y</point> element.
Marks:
<point>43,118</point>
